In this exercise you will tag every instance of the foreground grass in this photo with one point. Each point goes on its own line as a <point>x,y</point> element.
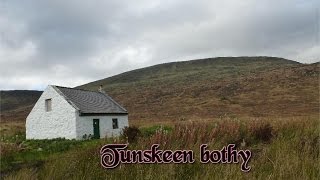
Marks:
<point>17,153</point>
<point>282,149</point>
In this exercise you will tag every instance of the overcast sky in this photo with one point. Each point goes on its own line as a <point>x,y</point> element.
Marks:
<point>70,43</point>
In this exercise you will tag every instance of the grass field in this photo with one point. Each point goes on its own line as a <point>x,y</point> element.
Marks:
<point>283,148</point>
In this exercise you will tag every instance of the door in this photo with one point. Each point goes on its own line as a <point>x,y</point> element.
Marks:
<point>96,129</point>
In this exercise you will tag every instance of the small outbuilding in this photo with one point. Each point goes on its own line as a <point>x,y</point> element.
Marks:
<point>71,113</point>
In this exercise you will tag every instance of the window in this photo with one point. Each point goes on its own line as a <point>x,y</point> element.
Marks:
<point>48,105</point>
<point>115,123</point>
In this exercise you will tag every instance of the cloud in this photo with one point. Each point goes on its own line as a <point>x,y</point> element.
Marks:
<point>71,42</point>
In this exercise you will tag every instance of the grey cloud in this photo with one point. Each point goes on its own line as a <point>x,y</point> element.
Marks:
<point>72,42</point>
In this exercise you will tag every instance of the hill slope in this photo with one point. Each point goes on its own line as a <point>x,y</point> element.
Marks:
<point>214,87</point>
<point>205,88</point>
<point>16,104</point>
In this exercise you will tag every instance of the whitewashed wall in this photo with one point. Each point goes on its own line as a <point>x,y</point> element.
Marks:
<point>60,122</point>
<point>85,125</point>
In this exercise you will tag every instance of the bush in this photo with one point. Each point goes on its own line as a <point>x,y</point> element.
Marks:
<point>263,133</point>
<point>87,137</point>
<point>131,133</point>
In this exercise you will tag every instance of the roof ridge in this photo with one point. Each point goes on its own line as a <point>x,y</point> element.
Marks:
<point>74,88</point>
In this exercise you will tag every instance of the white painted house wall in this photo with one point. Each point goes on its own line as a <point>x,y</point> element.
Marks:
<point>85,125</point>
<point>63,121</point>
<point>59,122</point>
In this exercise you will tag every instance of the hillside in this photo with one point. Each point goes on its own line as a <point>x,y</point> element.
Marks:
<point>205,88</point>
<point>215,87</point>
<point>16,104</point>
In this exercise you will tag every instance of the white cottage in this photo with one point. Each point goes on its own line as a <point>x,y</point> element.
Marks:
<point>70,113</point>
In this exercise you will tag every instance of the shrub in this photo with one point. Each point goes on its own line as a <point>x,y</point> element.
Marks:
<point>131,133</point>
<point>263,133</point>
<point>87,136</point>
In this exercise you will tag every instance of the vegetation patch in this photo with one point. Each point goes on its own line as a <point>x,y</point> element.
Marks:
<point>281,148</point>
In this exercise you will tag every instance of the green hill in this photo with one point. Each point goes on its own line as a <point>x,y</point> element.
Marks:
<point>215,87</point>
<point>216,68</point>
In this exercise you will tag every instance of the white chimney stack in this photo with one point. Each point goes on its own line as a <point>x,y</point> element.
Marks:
<point>101,89</point>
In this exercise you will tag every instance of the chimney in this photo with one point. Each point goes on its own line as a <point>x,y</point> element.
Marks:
<point>101,89</point>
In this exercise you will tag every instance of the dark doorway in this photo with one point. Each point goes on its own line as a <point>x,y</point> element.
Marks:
<point>96,129</point>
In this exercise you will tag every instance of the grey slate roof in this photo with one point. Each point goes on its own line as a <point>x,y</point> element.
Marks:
<point>91,102</point>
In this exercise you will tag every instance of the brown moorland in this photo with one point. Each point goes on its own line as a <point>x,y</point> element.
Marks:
<point>215,87</point>
<point>205,88</point>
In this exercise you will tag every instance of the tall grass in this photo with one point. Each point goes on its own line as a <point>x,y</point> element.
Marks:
<point>282,149</point>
